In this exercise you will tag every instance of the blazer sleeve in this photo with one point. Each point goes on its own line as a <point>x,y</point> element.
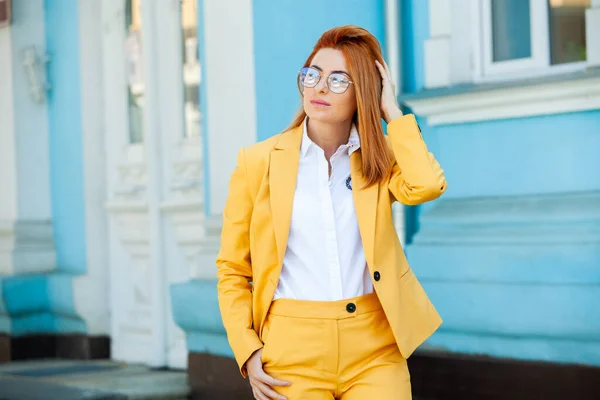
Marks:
<point>416,176</point>
<point>234,269</point>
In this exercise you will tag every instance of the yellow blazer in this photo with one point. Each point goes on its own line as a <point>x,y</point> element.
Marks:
<point>256,222</point>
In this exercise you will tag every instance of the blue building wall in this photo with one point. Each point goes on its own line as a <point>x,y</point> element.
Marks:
<point>547,154</point>
<point>66,152</point>
<point>414,29</point>
<point>509,255</point>
<point>285,33</point>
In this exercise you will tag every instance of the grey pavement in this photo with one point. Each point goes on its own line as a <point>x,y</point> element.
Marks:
<point>89,380</point>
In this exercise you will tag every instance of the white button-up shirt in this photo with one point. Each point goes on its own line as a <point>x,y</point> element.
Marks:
<point>324,259</point>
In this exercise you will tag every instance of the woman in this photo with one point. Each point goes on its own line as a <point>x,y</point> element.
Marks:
<point>316,296</point>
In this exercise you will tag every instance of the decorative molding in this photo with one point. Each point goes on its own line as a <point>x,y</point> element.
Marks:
<point>198,237</point>
<point>521,100</point>
<point>133,181</point>
<point>187,183</point>
<point>26,247</point>
<point>561,219</point>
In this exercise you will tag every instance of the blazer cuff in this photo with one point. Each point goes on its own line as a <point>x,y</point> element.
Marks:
<point>406,125</point>
<point>251,343</point>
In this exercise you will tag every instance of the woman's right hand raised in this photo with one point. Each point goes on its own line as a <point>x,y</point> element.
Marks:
<point>261,382</point>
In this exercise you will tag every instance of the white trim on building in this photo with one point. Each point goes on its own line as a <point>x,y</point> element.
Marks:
<point>592,23</point>
<point>511,102</point>
<point>459,52</point>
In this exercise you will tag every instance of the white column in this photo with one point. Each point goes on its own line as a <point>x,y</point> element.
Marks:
<point>26,243</point>
<point>393,39</point>
<point>153,150</point>
<point>592,33</point>
<point>90,291</point>
<point>449,51</point>
<point>437,47</point>
<point>230,88</point>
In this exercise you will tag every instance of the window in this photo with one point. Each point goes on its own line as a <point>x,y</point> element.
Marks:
<point>135,73</point>
<point>567,30</point>
<point>191,67</point>
<point>520,36</point>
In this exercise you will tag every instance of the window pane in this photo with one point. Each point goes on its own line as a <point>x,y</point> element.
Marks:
<point>135,73</point>
<point>567,30</point>
<point>191,67</point>
<point>511,29</point>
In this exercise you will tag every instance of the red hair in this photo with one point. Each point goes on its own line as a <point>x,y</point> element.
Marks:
<point>361,49</point>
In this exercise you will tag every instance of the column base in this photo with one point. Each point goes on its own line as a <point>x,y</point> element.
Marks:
<point>43,346</point>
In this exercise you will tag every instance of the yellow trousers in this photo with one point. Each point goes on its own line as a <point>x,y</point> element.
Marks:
<point>334,350</point>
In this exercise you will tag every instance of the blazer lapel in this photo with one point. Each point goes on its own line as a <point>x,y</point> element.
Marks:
<point>283,174</point>
<point>365,203</point>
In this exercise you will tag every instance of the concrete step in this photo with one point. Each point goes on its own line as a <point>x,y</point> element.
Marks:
<point>89,380</point>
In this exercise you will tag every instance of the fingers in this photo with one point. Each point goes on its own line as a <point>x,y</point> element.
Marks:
<point>382,71</point>
<point>258,390</point>
<point>261,386</point>
<point>268,392</point>
<point>269,380</point>
<point>385,72</point>
<point>258,394</point>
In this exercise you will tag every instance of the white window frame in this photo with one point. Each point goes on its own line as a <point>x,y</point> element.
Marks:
<point>454,56</point>
<point>539,64</point>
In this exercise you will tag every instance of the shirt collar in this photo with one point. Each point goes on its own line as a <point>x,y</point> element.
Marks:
<point>352,145</point>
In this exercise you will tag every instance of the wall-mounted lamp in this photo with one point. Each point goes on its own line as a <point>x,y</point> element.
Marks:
<point>35,69</point>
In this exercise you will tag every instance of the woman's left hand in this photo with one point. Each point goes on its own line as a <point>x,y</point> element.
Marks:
<point>389,106</point>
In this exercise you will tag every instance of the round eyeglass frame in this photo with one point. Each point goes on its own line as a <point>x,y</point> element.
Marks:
<point>303,71</point>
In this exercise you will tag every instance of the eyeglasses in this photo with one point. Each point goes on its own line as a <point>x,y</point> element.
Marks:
<point>336,82</point>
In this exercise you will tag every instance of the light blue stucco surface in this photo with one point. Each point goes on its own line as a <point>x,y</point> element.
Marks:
<point>546,154</point>
<point>44,303</point>
<point>65,127</point>
<point>203,325</point>
<point>40,304</point>
<point>511,254</point>
<point>414,28</point>
<point>285,33</point>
